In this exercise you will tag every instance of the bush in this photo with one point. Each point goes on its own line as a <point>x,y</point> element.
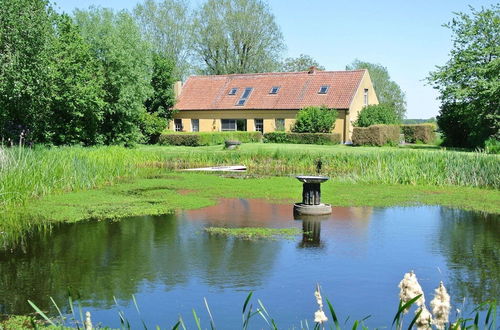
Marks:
<point>207,138</point>
<point>376,135</point>
<point>302,138</point>
<point>315,120</point>
<point>492,146</point>
<point>151,126</point>
<point>376,115</point>
<point>419,133</point>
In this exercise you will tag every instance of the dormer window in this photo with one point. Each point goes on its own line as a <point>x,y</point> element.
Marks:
<point>244,97</point>
<point>323,89</point>
<point>233,91</point>
<point>274,90</point>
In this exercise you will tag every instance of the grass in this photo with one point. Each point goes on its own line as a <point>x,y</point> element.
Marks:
<point>59,184</point>
<point>251,233</point>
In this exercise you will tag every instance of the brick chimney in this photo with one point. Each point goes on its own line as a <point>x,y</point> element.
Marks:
<point>177,89</point>
<point>312,70</point>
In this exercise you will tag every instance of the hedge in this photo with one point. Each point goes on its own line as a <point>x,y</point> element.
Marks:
<point>207,138</point>
<point>376,135</point>
<point>302,138</point>
<point>419,133</point>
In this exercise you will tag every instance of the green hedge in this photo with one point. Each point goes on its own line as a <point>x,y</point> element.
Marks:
<point>376,135</point>
<point>302,138</point>
<point>207,138</point>
<point>424,133</point>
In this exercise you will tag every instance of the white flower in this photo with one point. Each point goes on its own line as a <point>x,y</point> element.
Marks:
<point>409,289</point>
<point>441,307</point>
<point>88,321</point>
<point>424,321</point>
<point>320,317</point>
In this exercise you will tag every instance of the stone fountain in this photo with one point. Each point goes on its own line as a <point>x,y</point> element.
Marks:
<point>311,197</point>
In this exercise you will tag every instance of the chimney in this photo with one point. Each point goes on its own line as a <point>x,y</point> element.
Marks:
<point>312,70</point>
<point>177,89</point>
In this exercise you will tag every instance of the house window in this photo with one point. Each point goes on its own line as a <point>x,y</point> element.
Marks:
<point>323,89</point>
<point>233,124</point>
<point>280,124</point>
<point>178,125</point>
<point>244,97</point>
<point>195,125</point>
<point>274,90</point>
<point>233,91</point>
<point>365,97</point>
<point>259,125</point>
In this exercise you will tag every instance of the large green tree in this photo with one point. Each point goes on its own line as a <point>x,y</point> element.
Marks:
<point>388,91</point>
<point>301,63</point>
<point>26,32</point>
<point>125,58</point>
<point>166,25</point>
<point>236,36</point>
<point>76,81</point>
<point>469,83</point>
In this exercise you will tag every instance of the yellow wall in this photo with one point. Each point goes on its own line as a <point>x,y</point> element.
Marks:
<point>210,121</point>
<point>357,102</point>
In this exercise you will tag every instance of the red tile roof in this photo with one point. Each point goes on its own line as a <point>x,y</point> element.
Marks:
<point>297,90</point>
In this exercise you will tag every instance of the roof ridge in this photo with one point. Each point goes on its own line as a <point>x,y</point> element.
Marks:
<point>272,73</point>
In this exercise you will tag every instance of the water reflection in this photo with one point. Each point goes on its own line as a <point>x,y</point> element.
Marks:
<point>471,244</point>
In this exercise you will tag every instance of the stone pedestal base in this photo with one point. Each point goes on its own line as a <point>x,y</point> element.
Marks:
<point>320,209</point>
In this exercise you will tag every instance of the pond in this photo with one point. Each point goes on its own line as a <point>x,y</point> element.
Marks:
<point>357,255</point>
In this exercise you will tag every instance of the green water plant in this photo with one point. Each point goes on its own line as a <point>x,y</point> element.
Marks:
<point>254,232</point>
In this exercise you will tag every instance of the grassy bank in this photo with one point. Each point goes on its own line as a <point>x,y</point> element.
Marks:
<point>360,176</point>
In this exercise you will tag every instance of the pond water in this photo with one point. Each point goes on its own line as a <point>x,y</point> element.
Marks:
<point>358,256</point>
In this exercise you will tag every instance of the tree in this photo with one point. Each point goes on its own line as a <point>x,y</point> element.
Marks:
<point>315,120</point>
<point>468,83</point>
<point>25,36</point>
<point>76,82</point>
<point>301,63</point>
<point>388,91</point>
<point>166,25</point>
<point>125,58</point>
<point>236,36</point>
<point>376,114</point>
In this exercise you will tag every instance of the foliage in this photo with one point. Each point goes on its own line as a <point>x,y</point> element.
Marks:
<point>301,63</point>
<point>124,56</point>
<point>468,83</point>
<point>418,121</point>
<point>254,233</point>
<point>423,133</point>
<point>76,100</point>
<point>302,138</point>
<point>492,146</point>
<point>26,32</point>
<point>236,36</point>
<point>388,91</point>
<point>208,138</point>
<point>376,135</point>
<point>375,115</point>
<point>151,125</point>
<point>315,120</point>
<point>166,25</point>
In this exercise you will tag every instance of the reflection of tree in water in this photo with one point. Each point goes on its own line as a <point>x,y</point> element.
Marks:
<point>105,259</point>
<point>471,243</point>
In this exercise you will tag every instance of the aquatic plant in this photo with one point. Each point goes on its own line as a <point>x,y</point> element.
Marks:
<point>254,232</point>
<point>441,307</point>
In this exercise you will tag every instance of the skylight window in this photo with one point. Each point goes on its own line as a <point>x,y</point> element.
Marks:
<point>323,89</point>
<point>274,90</point>
<point>233,91</point>
<point>244,97</point>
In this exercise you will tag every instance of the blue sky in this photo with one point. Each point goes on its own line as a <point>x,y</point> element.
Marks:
<point>405,36</point>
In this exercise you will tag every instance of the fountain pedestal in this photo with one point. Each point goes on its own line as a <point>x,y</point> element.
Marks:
<point>311,197</point>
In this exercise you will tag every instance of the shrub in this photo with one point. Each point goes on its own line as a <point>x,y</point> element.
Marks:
<point>419,133</point>
<point>375,115</point>
<point>492,146</point>
<point>376,135</point>
<point>151,126</point>
<point>302,138</point>
<point>189,140</point>
<point>315,120</point>
<point>207,138</point>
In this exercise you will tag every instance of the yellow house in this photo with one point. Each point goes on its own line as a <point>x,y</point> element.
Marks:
<point>269,102</point>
